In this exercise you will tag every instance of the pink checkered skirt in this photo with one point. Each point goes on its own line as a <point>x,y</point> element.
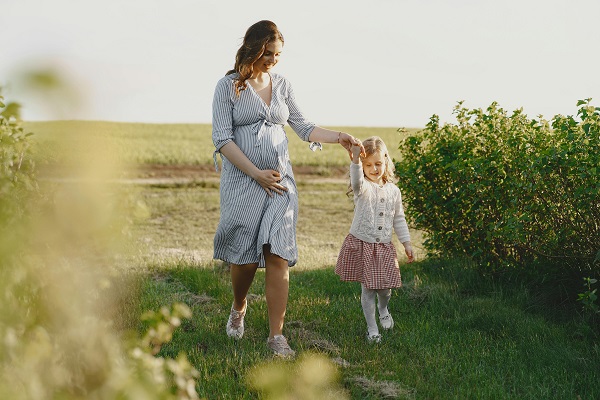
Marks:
<point>375,265</point>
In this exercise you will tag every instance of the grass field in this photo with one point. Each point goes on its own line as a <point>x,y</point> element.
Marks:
<point>458,334</point>
<point>183,219</point>
<point>180,144</point>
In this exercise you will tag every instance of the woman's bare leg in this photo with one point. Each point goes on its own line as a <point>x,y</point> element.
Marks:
<point>241,279</point>
<point>276,289</point>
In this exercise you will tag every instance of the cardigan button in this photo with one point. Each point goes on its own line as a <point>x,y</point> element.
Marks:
<point>382,200</point>
<point>377,240</point>
<point>380,214</point>
<point>379,228</point>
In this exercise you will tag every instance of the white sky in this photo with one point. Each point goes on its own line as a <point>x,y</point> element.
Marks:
<point>352,63</point>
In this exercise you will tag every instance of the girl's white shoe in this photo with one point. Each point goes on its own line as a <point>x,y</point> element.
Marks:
<point>376,338</point>
<point>387,322</point>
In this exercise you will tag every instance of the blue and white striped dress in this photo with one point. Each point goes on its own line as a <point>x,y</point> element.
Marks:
<point>249,217</point>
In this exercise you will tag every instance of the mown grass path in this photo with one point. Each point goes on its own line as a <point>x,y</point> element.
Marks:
<point>457,335</point>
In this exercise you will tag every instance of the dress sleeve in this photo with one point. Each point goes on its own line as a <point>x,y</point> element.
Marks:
<point>222,113</point>
<point>299,124</point>
<point>400,225</point>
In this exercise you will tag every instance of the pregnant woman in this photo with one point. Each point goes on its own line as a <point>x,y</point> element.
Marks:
<point>258,197</point>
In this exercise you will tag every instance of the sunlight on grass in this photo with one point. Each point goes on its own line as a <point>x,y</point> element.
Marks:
<point>183,220</point>
<point>183,144</point>
<point>454,338</point>
<point>99,253</point>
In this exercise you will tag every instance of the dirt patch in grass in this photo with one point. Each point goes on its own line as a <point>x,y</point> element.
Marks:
<point>384,389</point>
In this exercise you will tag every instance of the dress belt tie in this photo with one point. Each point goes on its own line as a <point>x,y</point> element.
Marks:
<point>257,127</point>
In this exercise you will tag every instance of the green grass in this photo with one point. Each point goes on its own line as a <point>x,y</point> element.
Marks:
<point>457,335</point>
<point>181,144</point>
<point>133,143</point>
<point>181,222</point>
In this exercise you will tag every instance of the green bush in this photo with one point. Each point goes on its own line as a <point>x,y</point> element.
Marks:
<point>506,190</point>
<point>17,174</point>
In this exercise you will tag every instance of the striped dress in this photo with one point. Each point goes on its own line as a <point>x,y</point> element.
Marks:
<point>249,217</point>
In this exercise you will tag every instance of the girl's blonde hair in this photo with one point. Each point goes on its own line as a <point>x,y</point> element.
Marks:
<point>373,145</point>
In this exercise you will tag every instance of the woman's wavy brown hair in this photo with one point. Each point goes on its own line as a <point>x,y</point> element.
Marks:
<point>373,145</point>
<point>257,37</point>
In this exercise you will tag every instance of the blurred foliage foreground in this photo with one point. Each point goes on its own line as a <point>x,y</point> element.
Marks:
<point>56,245</point>
<point>64,295</point>
<point>509,192</point>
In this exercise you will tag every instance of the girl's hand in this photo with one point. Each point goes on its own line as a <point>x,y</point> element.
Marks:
<point>409,251</point>
<point>347,141</point>
<point>270,180</point>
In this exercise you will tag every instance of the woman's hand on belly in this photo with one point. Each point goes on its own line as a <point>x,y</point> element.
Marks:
<point>269,180</point>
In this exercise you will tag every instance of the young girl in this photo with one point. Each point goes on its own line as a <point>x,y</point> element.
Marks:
<point>367,254</point>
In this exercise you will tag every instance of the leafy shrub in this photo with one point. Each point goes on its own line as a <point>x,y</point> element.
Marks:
<point>505,189</point>
<point>17,174</point>
<point>589,297</point>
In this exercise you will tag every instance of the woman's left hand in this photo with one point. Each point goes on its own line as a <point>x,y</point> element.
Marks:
<point>347,141</point>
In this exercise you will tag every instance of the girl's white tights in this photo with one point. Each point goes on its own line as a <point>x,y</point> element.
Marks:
<point>367,299</point>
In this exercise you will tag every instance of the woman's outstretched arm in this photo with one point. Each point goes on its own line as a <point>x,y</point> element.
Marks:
<point>323,135</point>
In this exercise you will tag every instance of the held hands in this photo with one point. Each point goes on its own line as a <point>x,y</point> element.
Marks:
<point>347,141</point>
<point>270,180</point>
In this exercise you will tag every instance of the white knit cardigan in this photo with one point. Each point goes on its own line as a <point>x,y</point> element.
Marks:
<point>378,210</point>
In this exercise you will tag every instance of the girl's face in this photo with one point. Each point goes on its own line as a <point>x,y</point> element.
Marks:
<point>374,167</point>
<point>269,58</point>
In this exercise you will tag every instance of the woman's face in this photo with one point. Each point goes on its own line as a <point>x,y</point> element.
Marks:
<point>269,58</point>
<point>374,166</point>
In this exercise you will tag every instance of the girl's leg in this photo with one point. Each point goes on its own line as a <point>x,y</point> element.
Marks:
<point>241,279</point>
<point>385,318</point>
<point>367,299</point>
<point>277,283</point>
<point>383,299</point>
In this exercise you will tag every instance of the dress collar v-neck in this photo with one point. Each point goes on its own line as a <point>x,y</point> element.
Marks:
<point>261,99</point>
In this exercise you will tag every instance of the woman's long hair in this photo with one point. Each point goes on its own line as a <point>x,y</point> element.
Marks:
<point>257,37</point>
<point>373,145</point>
